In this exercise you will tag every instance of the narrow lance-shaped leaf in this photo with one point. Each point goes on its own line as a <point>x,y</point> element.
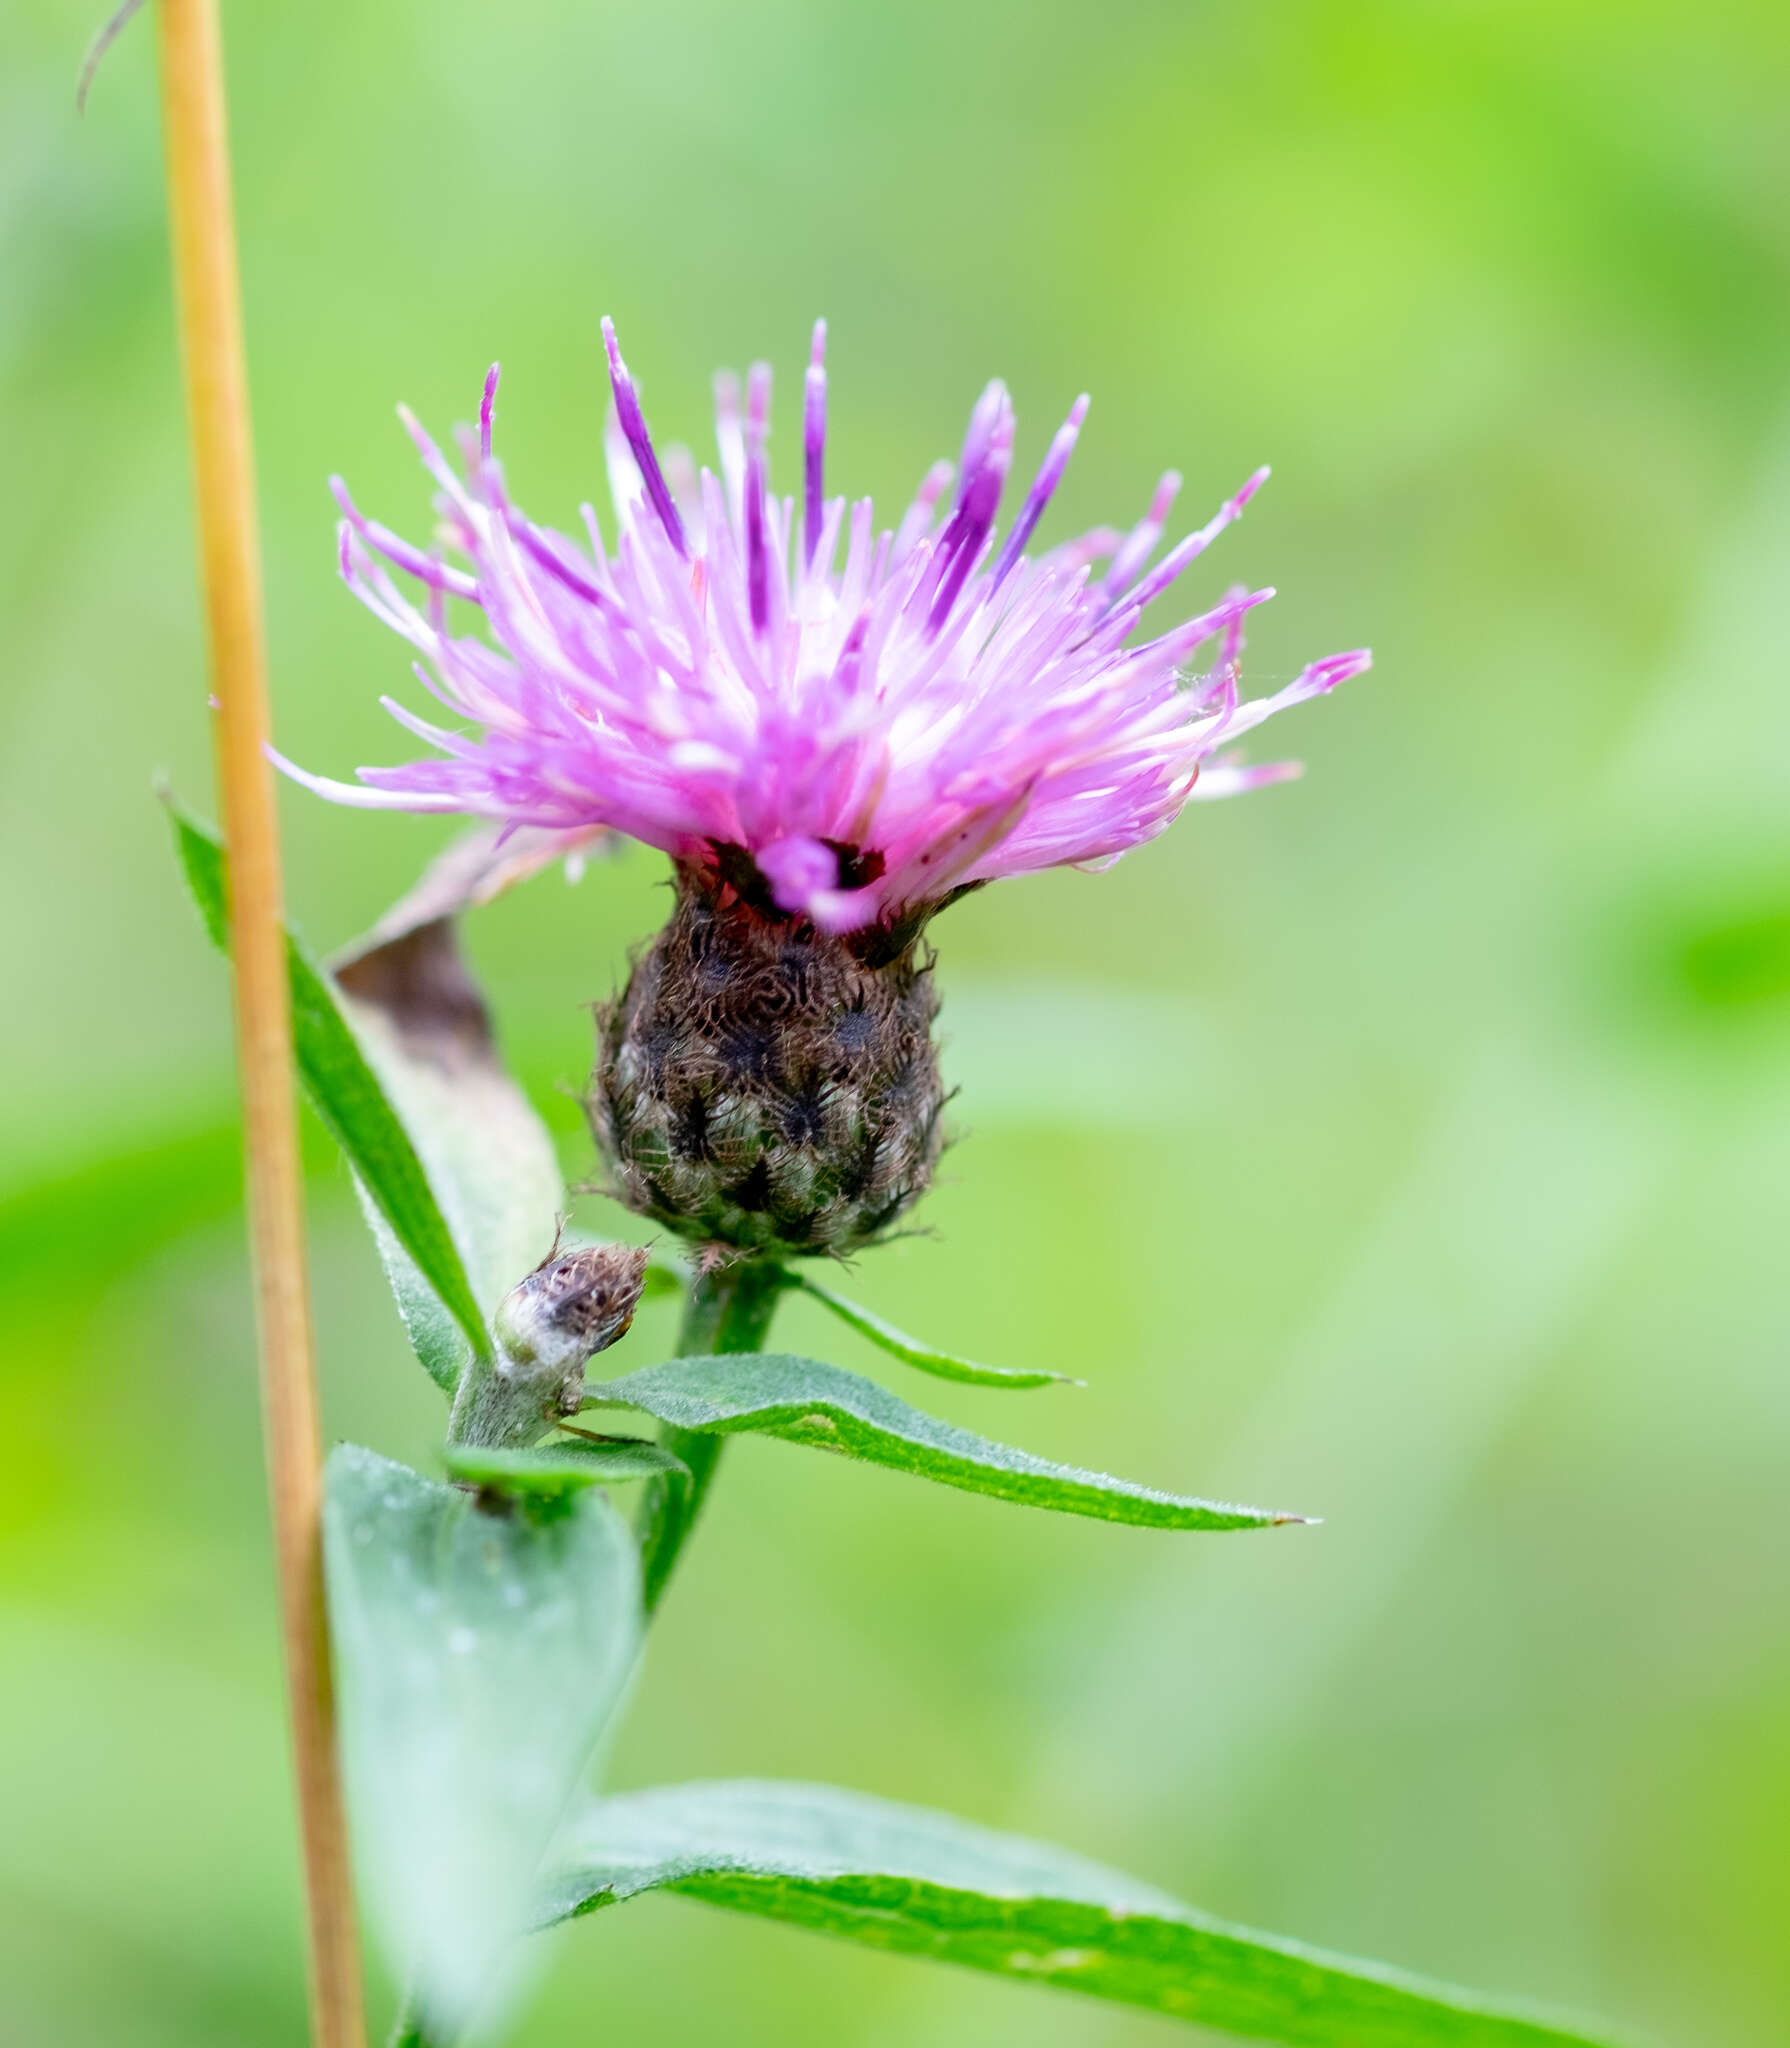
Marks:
<point>901,1878</point>
<point>347,1096</point>
<point>805,1402</point>
<point>479,1657</point>
<point>942,1364</point>
<point>439,1340</point>
<point>427,1031</point>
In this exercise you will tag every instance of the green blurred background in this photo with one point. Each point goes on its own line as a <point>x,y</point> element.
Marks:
<point>1408,1146</point>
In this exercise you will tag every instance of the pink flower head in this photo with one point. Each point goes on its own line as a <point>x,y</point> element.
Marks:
<point>877,719</point>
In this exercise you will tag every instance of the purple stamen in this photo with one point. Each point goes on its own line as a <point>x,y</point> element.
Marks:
<point>532,542</point>
<point>587,513</point>
<point>979,436</point>
<point>917,519</point>
<point>1140,542</point>
<point>487,408</point>
<point>633,426</point>
<point>1195,545</point>
<point>814,444</point>
<point>1324,676</point>
<point>728,439</point>
<point>987,455</point>
<point>1050,474</point>
<point>680,474</point>
<point>758,420</point>
<point>428,569</point>
<point>851,656</point>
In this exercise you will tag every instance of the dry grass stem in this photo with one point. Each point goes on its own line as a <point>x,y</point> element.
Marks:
<point>217,396</point>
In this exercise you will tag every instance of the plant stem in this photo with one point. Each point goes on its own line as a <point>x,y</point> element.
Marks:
<point>729,1309</point>
<point>497,1403</point>
<point>206,286</point>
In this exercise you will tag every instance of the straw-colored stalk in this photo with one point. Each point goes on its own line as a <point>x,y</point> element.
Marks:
<point>207,289</point>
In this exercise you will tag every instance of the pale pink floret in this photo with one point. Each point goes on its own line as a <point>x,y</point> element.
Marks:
<point>877,718</point>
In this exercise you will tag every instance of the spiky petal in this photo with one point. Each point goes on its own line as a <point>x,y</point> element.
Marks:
<point>870,722</point>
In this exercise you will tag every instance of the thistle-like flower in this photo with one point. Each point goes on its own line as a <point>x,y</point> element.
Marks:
<point>833,732</point>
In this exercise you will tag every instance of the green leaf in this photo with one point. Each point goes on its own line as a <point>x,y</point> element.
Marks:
<point>426,1029</point>
<point>911,1352</point>
<point>438,1302</point>
<point>552,1470</point>
<point>437,1338</point>
<point>901,1878</point>
<point>806,1402</point>
<point>427,1034</point>
<point>478,1658</point>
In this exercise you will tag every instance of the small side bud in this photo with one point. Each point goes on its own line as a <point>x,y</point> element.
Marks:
<point>571,1306</point>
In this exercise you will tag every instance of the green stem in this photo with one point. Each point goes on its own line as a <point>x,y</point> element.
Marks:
<point>506,1398</point>
<point>729,1309</point>
<point>494,1406</point>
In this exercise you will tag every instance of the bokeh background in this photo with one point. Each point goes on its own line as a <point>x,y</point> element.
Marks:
<point>1409,1146</point>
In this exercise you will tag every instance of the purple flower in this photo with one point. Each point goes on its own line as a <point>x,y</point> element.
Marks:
<point>877,719</point>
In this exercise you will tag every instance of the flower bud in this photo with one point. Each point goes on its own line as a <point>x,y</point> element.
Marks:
<point>572,1305</point>
<point>767,1085</point>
